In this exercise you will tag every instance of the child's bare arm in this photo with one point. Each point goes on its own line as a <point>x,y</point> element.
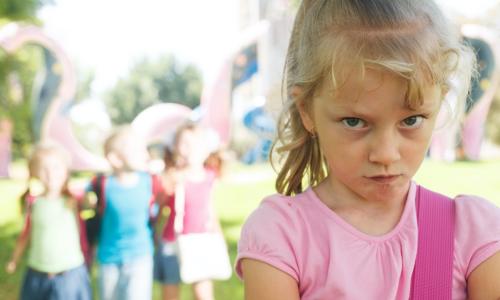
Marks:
<point>22,242</point>
<point>264,282</point>
<point>483,281</point>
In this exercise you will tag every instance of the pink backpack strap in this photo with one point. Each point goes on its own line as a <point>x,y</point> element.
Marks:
<point>432,275</point>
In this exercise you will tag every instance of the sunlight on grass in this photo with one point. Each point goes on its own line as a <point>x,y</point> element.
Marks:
<point>477,178</point>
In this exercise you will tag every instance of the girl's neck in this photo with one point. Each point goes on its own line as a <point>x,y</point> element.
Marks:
<point>371,217</point>
<point>126,177</point>
<point>194,173</point>
<point>52,194</point>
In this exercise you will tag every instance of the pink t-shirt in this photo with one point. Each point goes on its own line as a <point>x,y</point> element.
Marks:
<point>330,259</point>
<point>198,214</point>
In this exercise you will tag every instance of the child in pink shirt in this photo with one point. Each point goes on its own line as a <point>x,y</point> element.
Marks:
<point>365,81</point>
<point>191,165</point>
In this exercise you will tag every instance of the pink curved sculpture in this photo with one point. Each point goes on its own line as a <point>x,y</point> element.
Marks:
<point>157,121</point>
<point>5,147</point>
<point>216,95</point>
<point>56,124</point>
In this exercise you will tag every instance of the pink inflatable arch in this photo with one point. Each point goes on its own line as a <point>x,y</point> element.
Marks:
<point>157,121</point>
<point>56,125</point>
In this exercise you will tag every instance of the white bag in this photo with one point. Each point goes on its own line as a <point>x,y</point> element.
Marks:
<point>203,256</point>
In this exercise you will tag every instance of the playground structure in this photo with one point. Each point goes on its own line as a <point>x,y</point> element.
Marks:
<point>469,137</point>
<point>54,97</point>
<point>254,64</point>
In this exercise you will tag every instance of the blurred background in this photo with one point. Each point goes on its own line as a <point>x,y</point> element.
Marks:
<point>72,70</point>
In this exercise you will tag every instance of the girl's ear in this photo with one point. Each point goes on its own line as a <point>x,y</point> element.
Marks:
<point>304,110</point>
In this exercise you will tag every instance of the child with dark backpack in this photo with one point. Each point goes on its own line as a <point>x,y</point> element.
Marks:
<point>365,81</point>
<point>122,225</point>
<point>53,231</point>
<point>93,223</point>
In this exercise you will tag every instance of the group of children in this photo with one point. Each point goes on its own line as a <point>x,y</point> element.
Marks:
<point>130,206</point>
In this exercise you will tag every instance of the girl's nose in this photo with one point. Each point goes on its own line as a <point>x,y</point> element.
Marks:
<point>384,148</point>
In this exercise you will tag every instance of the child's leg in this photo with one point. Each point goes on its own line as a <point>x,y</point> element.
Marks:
<point>73,284</point>
<point>166,271</point>
<point>203,290</point>
<point>36,286</point>
<point>137,279</point>
<point>170,292</point>
<point>108,278</point>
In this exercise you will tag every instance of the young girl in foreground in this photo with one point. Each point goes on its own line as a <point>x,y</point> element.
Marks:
<point>56,268</point>
<point>365,81</point>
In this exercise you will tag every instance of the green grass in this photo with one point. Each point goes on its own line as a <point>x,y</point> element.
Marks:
<point>238,193</point>
<point>477,178</point>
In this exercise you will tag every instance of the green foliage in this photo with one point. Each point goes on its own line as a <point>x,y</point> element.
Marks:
<point>17,74</point>
<point>19,9</point>
<point>84,84</point>
<point>151,82</point>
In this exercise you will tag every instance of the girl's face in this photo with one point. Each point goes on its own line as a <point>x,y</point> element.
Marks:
<point>134,154</point>
<point>53,173</point>
<point>372,142</point>
<point>191,149</point>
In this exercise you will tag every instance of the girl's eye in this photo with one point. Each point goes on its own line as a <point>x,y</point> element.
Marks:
<point>353,122</point>
<point>413,121</point>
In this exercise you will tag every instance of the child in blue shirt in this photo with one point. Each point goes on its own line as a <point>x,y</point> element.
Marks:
<point>125,245</point>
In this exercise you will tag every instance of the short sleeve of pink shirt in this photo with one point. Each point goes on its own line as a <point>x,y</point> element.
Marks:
<point>330,259</point>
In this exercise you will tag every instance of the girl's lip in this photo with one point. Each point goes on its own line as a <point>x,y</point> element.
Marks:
<point>384,178</point>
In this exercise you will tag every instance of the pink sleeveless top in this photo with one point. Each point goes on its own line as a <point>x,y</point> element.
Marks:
<point>330,259</point>
<point>197,208</point>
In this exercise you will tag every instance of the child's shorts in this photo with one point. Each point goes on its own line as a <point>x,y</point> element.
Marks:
<point>70,284</point>
<point>166,264</point>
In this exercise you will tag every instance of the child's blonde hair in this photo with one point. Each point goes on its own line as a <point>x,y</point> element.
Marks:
<point>118,139</point>
<point>331,39</point>
<point>41,152</point>
<point>215,160</point>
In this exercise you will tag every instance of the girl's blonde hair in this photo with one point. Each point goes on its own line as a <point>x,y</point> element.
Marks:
<point>331,39</point>
<point>117,140</point>
<point>215,160</point>
<point>41,152</point>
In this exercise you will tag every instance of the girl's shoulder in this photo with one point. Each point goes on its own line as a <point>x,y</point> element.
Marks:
<point>476,210</point>
<point>477,231</point>
<point>278,211</point>
<point>273,232</point>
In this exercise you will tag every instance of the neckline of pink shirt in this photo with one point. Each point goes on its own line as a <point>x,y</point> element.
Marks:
<point>409,207</point>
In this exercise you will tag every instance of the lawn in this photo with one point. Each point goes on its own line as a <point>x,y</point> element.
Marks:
<point>239,192</point>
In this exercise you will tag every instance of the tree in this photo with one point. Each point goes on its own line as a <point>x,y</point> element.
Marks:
<point>21,10</point>
<point>85,78</point>
<point>151,82</point>
<point>17,72</point>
